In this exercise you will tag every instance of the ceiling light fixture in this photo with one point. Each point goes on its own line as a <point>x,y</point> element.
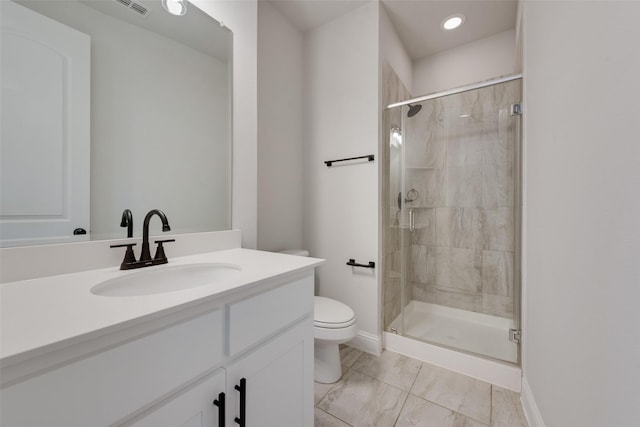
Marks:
<point>175,7</point>
<point>453,21</point>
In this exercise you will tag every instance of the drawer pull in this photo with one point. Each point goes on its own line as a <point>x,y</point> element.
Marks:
<point>219,402</point>
<point>242,388</point>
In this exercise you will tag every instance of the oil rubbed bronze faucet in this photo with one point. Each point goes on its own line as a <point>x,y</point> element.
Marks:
<point>127,221</point>
<point>146,255</point>
<point>129,261</point>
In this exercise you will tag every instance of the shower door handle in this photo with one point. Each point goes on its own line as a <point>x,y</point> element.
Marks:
<point>412,223</point>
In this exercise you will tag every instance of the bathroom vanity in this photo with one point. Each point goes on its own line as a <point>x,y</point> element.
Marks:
<point>235,352</point>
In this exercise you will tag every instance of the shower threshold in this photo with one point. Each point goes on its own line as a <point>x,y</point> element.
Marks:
<point>468,331</point>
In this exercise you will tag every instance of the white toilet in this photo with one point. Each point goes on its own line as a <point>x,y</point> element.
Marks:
<point>334,323</point>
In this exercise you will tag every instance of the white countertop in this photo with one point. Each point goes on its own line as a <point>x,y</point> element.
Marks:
<point>40,313</point>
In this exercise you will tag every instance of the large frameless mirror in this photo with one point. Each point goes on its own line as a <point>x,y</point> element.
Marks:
<point>110,105</point>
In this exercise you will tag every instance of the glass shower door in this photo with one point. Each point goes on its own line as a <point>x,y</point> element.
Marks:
<point>457,218</point>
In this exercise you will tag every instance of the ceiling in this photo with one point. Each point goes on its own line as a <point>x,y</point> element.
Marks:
<point>309,14</point>
<point>195,29</point>
<point>417,22</point>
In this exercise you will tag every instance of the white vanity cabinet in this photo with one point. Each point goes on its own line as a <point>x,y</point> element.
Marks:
<point>277,390</point>
<point>190,408</point>
<point>261,338</point>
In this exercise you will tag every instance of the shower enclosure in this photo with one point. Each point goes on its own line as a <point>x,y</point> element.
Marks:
<point>451,219</point>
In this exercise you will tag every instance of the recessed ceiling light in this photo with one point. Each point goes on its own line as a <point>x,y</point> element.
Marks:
<point>453,21</point>
<point>175,7</point>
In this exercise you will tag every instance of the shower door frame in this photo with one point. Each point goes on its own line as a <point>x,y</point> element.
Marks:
<point>518,200</point>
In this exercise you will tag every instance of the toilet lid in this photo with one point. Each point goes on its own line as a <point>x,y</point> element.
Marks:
<point>329,313</point>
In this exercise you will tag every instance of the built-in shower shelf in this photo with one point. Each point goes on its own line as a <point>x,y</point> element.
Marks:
<point>403,226</point>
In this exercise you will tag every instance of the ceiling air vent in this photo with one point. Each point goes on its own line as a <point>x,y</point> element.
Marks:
<point>136,7</point>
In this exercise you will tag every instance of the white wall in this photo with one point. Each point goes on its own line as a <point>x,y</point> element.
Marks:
<point>280,103</point>
<point>582,283</point>
<point>480,60</point>
<point>392,50</point>
<point>241,17</point>
<point>341,202</point>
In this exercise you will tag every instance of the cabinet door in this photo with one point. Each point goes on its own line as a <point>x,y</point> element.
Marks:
<point>45,136</point>
<point>279,381</point>
<point>191,408</point>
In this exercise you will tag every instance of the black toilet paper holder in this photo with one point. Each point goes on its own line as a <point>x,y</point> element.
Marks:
<point>352,262</point>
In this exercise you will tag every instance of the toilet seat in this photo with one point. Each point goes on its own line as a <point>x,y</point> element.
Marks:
<point>334,325</point>
<point>331,314</point>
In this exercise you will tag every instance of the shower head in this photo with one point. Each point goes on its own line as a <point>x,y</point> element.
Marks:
<point>414,109</point>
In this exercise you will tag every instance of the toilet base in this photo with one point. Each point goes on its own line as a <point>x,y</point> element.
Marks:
<point>327,365</point>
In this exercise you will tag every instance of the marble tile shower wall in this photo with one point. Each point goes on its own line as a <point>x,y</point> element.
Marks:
<point>460,158</point>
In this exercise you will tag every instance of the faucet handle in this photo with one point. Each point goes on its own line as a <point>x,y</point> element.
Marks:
<point>160,250</point>
<point>129,256</point>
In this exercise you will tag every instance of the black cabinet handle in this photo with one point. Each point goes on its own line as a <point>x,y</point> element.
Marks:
<point>242,388</point>
<point>219,402</point>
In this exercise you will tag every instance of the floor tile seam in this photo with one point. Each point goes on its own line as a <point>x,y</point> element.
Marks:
<point>522,417</point>
<point>452,410</point>
<point>334,416</point>
<point>362,353</point>
<point>417,375</point>
<point>491,404</point>
<point>382,381</point>
<point>323,396</point>
<point>332,386</point>
<point>401,408</point>
<point>408,390</point>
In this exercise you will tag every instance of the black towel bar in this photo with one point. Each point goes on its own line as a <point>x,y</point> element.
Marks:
<point>353,263</point>
<point>369,157</point>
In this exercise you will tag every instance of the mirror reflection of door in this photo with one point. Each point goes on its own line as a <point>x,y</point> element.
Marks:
<point>45,141</point>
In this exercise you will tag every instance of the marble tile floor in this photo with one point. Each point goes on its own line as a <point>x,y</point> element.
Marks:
<point>397,391</point>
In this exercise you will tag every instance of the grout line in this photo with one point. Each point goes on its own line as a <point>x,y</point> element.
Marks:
<point>323,396</point>
<point>401,408</point>
<point>380,381</point>
<point>491,405</point>
<point>450,410</point>
<point>417,375</point>
<point>453,410</point>
<point>389,384</point>
<point>409,392</point>
<point>340,419</point>
<point>357,358</point>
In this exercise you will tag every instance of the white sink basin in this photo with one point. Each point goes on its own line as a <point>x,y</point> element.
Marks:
<point>159,280</point>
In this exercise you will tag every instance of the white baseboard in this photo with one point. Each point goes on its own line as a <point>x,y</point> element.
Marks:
<point>501,374</point>
<point>367,342</point>
<point>531,411</point>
